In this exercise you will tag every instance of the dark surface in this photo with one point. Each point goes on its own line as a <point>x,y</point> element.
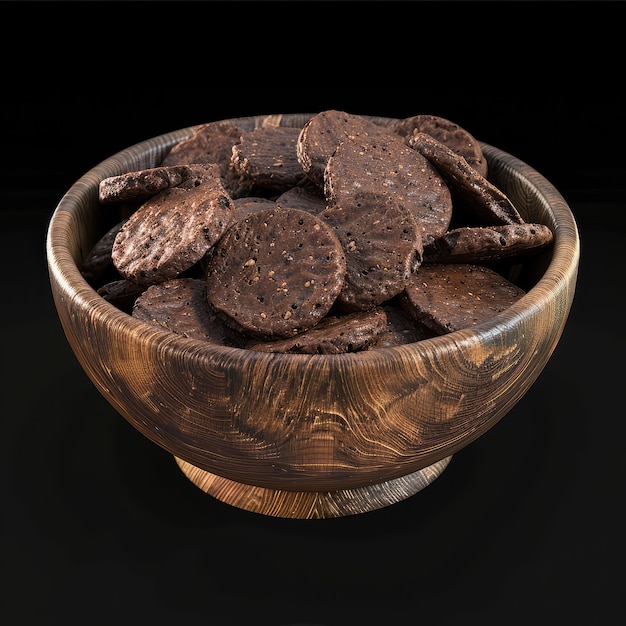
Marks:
<point>99,526</point>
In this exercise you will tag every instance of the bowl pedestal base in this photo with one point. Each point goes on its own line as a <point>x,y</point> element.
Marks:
<point>312,504</point>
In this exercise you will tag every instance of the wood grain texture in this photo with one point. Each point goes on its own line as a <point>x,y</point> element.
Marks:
<point>288,423</point>
<point>313,504</point>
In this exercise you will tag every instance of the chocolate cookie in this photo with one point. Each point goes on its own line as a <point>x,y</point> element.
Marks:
<point>172,231</point>
<point>484,244</point>
<point>98,262</point>
<point>180,305</point>
<point>447,132</point>
<point>120,292</point>
<point>382,244</point>
<point>264,160</point>
<point>251,204</point>
<point>485,202</point>
<point>323,132</point>
<point>142,184</point>
<point>445,297</point>
<point>335,334</point>
<point>388,166</point>
<point>304,197</point>
<point>276,273</point>
<point>401,329</point>
<point>209,143</point>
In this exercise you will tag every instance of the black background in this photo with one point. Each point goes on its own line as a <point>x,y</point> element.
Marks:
<point>99,526</point>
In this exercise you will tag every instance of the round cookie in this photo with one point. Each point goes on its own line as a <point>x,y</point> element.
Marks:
<point>265,161</point>
<point>276,273</point>
<point>445,297</point>
<point>486,244</point>
<point>382,244</point>
<point>251,204</point>
<point>389,166</point>
<point>142,184</point>
<point>209,143</point>
<point>171,232</point>
<point>323,132</point>
<point>486,203</point>
<point>336,334</point>
<point>120,292</point>
<point>447,132</point>
<point>401,329</point>
<point>304,197</point>
<point>98,263</point>
<point>180,305</point>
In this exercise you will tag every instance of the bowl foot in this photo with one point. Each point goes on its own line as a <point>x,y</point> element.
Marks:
<point>312,504</point>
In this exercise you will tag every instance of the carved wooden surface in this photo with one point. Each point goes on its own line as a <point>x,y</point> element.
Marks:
<point>250,426</point>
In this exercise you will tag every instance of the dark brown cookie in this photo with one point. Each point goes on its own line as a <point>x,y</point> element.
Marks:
<point>121,293</point>
<point>382,244</point>
<point>98,263</point>
<point>485,244</point>
<point>209,143</point>
<point>180,305</point>
<point>251,204</point>
<point>172,231</point>
<point>388,166</point>
<point>447,132</point>
<point>142,184</point>
<point>276,273</point>
<point>304,197</point>
<point>445,297</point>
<point>323,132</point>
<point>336,334</point>
<point>264,160</point>
<point>401,329</point>
<point>484,201</point>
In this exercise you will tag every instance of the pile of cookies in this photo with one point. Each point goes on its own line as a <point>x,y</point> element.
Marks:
<point>339,236</point>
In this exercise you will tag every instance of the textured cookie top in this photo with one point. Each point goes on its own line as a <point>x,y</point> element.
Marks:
<point>401,328</point>
<point>98,262</point>
<point>180,305</point>
<point>383,246</point>
<point>336,334</point>
<point>142,184</point>
<point>388,166</point>
<point>276,273</point>
<point>323,132</point>
<point>246,205</point>
<point>264,160</point>
<point>172,231</point>
<point>487,244</point>
<point>486,203</point>
<point>303,197</point>
<point>447,132</point>
<point>445,297</point>
<point>209,143</point>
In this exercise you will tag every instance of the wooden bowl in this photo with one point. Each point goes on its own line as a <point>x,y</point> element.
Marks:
<point>312,436</point>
